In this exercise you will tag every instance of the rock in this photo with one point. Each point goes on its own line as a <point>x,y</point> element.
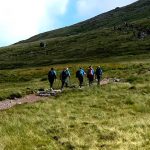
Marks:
<point>116,80</point>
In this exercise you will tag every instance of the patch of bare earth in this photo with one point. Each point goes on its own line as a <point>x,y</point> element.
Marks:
<point>6,104</point>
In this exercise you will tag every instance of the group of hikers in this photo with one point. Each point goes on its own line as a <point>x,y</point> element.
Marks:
<point>80,73</point>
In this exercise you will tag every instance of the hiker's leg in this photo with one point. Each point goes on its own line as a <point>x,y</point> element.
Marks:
<point>81,81</point>
<point>63,83</point>
<point>91,80</point>
<point>66,82</point>
<point>98,80</point>
<point>51,83</point>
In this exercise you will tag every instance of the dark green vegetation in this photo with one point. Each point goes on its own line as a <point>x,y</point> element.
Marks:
<point>92,40</point>
<point>136,11</point>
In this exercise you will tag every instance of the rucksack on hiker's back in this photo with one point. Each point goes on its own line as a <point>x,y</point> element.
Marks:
<point>79,73</point>
<point>90,73</point>
<point>51,74</point>
<point>99,71</point>
<point>65,74</point>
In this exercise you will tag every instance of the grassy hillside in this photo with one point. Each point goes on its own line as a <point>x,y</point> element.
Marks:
<point>130,13</point>
<point>98,45</point>
<point>94,40</point>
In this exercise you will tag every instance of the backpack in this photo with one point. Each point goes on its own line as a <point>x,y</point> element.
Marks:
<point>51,74</point>
<point>99,71</point>
<point>90,72</point>
<point>79,73</point>
<point>64,74</point>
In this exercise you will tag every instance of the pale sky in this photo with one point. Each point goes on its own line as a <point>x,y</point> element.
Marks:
<point>21,19</point>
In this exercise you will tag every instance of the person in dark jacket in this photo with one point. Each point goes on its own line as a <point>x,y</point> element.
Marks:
<point>99,73</point>
<point>64,77</point>
<point>51,77</point>
<point>80,75</point>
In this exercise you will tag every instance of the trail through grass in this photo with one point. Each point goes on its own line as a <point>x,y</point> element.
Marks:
<point>114,116</point>
<point>110,117</point>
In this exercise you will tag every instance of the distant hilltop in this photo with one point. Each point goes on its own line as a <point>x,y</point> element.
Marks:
<point>118,34</point>
<point>133,12</point>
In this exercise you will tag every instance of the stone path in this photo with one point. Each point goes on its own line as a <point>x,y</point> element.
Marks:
<point>6,104</point>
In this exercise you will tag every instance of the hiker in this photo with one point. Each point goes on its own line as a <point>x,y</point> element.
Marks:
<point>64,77</point>
<point>43,44</point>
<point>90,75</point>
<point>80,74</point>
<point>98,74</point>
<point>51,77</point>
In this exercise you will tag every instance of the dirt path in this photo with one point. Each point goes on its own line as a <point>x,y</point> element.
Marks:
<point>6,104</point>
<point>105,81</point>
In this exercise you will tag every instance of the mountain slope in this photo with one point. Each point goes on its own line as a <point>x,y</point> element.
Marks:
<point>102,38</point>
<point>130,13</point>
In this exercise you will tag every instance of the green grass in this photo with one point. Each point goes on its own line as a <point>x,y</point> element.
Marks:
<point>110,117</point>
<point>114,116</point>
<point>25,81</point>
